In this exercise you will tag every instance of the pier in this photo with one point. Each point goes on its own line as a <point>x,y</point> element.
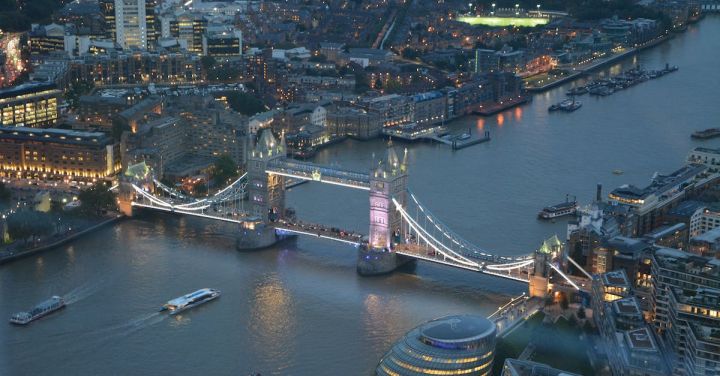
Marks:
<point>435,134</point>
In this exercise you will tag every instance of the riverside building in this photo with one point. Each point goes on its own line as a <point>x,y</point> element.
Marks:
<point>451,345</point>
<point>57,154</point>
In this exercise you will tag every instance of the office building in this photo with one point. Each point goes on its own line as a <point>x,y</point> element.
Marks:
<point>452,345</point>
<point>131,24</point>
<point>30,105</point>
<point>222,42</point>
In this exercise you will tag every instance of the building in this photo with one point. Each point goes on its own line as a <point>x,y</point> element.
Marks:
<point>137,67</point>
<point>100,109</point>
<point>57,154</point>
<point>222,42</point>
<point>631,345</point>
<point>706,156</point>
<point>505,60</point>
<point>32,105</point>
<point>664,193</point>
<point>189,28</point>
<point>354,122</point>
<point>517,367</point>
<point>159,142</point>
<point>428,108</point>
<point>706,244</point>
<point>131,24</point>
<point>462,344</point>
<point>107,9</point>
<point>686,301</point>
<point>393,109</point>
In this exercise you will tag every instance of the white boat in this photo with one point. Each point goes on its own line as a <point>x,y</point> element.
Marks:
<point>49,306</point>
<point>464,136</point>
<point>193,299</point>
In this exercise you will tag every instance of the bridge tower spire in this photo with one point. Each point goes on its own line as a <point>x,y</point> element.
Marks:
<point>266,191</point>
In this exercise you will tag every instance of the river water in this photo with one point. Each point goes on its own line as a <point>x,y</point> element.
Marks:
<point>300,308</point>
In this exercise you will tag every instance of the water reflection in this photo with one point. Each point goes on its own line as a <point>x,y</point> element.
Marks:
<point>500,119</point>
<point>384,320</point>
<point>272,319</point>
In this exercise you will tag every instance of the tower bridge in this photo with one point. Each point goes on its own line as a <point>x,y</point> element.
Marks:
<point>401,228</point>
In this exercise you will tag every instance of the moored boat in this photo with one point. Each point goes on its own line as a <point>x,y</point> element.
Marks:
<point>49,306</point>
<point>559,210</point>
<point>706,133</point>
<point>188,301</point>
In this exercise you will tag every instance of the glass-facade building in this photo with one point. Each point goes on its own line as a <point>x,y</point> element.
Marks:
<point>452,345</point>
<point>32,105</point>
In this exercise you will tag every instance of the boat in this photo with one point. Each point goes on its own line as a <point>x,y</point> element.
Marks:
<point>618,172</point>
<point>566,208</point>
<point>554,107</point>
<point>49,306</point>
<point>580,90</point>
<point>190,300</point>
<point>463,136</point>
<point>570,105</point>
<point>706,133</point>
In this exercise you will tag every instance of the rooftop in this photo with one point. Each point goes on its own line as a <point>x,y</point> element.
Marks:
<point>640,339</point>
<point>517,367</point>
<point>460,328</point>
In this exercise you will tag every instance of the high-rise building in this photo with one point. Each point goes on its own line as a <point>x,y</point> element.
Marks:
<point>107,8</point>
<point>188,28</point>
<point>131,24</point>
<point>686,301</point>
<point>152,23</point>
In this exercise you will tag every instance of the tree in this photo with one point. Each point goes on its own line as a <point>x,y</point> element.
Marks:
<point>244,103</point>
<point>581,313</point>
<point>564,303</point>
<point>224,170</point>
<point>28,224</point>
<point>96,199</point>
<point>207,62</point>
<point>5,193</point>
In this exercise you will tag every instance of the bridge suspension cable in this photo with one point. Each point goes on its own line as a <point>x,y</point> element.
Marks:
<point>465,247</point>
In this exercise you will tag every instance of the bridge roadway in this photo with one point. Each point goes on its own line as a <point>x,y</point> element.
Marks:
<point>426,253</point>
<point>320,231</point>
<point>324,174</point>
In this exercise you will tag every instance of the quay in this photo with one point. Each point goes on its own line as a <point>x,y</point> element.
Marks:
<point>583,71</point>
<point>9,256</point>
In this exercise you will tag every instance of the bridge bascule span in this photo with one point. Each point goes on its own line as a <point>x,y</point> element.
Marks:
<point>401,228</point>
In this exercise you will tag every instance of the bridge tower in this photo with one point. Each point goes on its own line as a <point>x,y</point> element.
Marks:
<point>540,279</point>
<point>266,191</point>
<point>388,180</point>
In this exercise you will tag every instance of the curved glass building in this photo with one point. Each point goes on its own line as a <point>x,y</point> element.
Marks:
<point>452,345</point>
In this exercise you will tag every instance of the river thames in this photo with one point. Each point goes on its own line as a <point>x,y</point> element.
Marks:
<point>300,309</point>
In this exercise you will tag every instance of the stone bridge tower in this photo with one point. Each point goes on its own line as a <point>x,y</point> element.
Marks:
<point>387,181</point>
<point>266,193</point>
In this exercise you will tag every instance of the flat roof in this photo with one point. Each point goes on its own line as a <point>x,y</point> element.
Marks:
<point>26,88</point>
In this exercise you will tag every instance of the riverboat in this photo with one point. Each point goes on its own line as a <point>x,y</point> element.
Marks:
<point>188,301</point>
<point>559,210</point>
<point>45,308</point>
<point>706,134</point>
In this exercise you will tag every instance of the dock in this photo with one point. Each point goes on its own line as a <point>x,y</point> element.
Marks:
<point>431,135</point>
<point>457,144</point>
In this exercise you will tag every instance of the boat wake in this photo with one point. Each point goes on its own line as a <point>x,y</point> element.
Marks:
<point>83,291</point>
<point>133,325</point>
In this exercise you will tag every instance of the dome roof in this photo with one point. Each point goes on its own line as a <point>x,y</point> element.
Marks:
<point>459,328</point>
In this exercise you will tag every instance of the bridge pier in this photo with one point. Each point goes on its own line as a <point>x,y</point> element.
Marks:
<point>378,262</point>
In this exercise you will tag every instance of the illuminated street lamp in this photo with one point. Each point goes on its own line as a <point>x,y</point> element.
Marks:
<point>493,9</point>
<point>517,11</point>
